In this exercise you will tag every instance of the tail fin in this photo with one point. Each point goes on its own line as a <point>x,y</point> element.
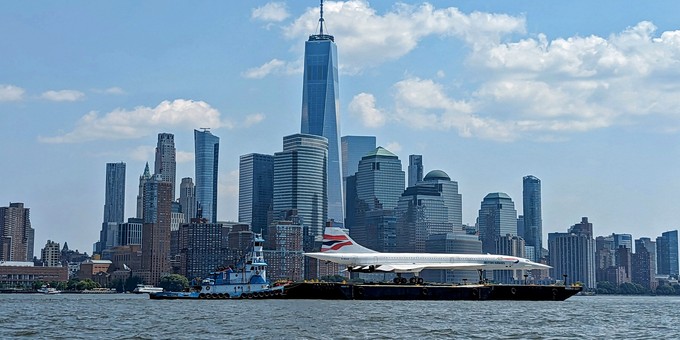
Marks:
<point>335,240</point>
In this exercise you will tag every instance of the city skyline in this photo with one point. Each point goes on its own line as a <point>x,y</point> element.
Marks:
<point>82,86</point>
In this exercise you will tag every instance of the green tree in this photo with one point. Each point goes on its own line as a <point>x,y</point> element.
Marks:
<point>118,285</point>
<point>174,283</point>
<point>132,282</point>
<point>87,284</point>
<point>38,284</point>
<point>606,287</point>
<point>665,290</point>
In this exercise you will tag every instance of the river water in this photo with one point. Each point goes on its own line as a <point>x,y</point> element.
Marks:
<point>128,316</point>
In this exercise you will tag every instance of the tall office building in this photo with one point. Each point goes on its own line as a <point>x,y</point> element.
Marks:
<point>667,253</point>
<point>145,177</point>
<point>300,181</point>
<point>623,240</point>
<point>207,151</point>
<point>114,201</point>
<point>187,198</point>
<point>320,109</point>
<point>202,248</point>
<point>497,217</point>
<point>353,149</point>
<point>114,206</point>
<point>431,207</point>
<point>16,234</point>
<point>415,169</point>
<point>644,263</point>
<point>166,164</point>
<point>156,229</point>
<point>513,246</point>
<point>533,223</point>
<point>256,190</point>
<point>573,254</point>
<point>378,184</point>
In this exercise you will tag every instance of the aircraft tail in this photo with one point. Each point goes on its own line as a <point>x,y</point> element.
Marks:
<point>335,240</point>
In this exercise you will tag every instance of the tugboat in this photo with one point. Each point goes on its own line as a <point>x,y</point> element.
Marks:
<point>247,281</point>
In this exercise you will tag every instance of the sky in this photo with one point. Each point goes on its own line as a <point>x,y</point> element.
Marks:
<point>584,95</point>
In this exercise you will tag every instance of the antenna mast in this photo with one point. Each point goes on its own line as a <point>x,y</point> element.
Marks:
<point>321,20</point>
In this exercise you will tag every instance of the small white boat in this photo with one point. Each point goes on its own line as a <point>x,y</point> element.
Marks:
<point>48,290</point>
<point>141,289</point>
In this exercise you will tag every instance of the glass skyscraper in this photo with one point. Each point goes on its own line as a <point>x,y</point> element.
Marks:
<point>320,109</point>
<point>207,150</point>
<point>415,169</point>
<point>667,253</point>
<point>533,224</point>
<point>300,180</point>
<point>353,149</point>
<point>166,154</point>
<point>376,188</point>
<point>497,217</point>
<point>255,190</point>
<point>114,201</point>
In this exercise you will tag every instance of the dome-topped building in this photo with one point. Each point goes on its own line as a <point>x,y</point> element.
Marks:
<point>435,175</point>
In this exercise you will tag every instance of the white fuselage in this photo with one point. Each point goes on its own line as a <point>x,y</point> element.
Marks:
<point>415,262</point>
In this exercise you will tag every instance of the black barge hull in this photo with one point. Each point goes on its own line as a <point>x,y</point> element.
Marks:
<point>340,291</point>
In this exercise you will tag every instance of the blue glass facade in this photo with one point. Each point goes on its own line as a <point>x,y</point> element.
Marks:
<point>207,150</point>
<point>300,180</point>
<point>255,190</point>
<point>415,169</point>
<point>533,223</point>
<point>114,202</point>
<point>667,253</point>
<point>320,111</point>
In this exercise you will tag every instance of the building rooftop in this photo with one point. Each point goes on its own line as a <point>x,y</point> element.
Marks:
<point>435,175</point>
<point>380,151</point>
<point>497,195</point>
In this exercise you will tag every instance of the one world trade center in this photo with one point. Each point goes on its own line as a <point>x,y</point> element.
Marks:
<point>320,108</point>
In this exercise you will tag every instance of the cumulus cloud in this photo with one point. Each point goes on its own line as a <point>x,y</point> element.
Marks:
<point>363,106</point>
<point>115,90</point>
<point>273,11</point>
<point>63,95</point>
<point>141,121</point>
<point>362,30</point>
<point>10,93</point>
<point>273,66</point>
<point>393,147</point>
<point>253,119</point>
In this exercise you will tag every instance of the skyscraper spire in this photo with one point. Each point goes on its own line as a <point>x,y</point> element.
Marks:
<point>147,173</point>
<point>321,19</point>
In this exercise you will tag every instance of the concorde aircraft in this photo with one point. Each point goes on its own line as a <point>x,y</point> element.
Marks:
<point>339,248</point>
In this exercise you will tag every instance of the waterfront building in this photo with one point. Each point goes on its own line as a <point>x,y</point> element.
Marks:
<point>623,240</point>
<point>623,257</point>
<point>16,234</point>
<point>497,217</point>
<point>202,248</point>
<point>156,230</point>
<point>240,240</point>
<point>300,181</point>
<point>452,243</point>
<point>130,232</point>
<point>533,223</point>
<point>650,246</point>
<point>667,253</point>
<point>256,191</point>
<point>376,188</point>
<point>207,149</point>
<point>50,255</point>
<point>320,104</point>
<point>424,210</point>
<point>284,251</point>
<point>415,169</point>
<point>512,245</point>
<point>24,274</point>
<point>187,198</point>
<point>145,177</point>
<point>573,254</point>
<point>604,257</point>
<point>114,206</point>
<point>353,148</point>
<point>643,264</point>
<point>176,220</point>
<point>166,163</point>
